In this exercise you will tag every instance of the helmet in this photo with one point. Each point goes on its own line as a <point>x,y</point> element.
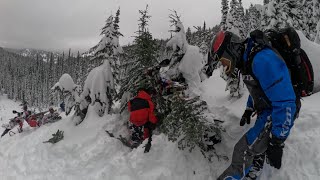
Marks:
<point>228,49</point>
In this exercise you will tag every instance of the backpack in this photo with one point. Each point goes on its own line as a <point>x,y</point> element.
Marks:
<point>286,43</point>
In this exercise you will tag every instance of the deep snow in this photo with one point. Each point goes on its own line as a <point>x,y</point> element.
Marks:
<point>87,152</point>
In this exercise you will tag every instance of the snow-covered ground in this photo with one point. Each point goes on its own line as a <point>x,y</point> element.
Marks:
<point>87,152</point>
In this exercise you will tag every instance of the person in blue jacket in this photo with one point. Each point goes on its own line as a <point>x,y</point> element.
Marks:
<point>272,97</point>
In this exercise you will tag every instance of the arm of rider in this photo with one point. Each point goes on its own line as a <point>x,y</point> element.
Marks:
<point>246,117</point>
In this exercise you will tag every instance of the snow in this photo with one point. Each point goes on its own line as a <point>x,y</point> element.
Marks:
<point>96,85</point>
<point>87,152</point>
<point>179,40</point>
<point>191,65</point>
<point>192,62</point>
<point>65,83</point>
<point>312,50</point>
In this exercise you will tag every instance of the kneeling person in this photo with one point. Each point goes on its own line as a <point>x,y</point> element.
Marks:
<point>142,117</point>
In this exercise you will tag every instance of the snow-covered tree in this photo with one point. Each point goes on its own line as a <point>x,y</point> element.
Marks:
<point>143,57</point>
<point>235,21</point>
<point>185,120</point>
<point>189,35</point>
<point>310,18</point>
<point>108,49</point>
<point>254,18</point>
<point>317,38</point>
<point>224,12</point>
<point>284,13</point>
<point>98,86</point>
<point>116,23</point>
<point>185,59</point>
<point>67,89</point>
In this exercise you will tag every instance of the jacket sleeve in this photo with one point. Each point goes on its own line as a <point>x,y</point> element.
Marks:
<point>129,106</point>
<point>273,76</point>
<point>250,103</point>
<point>152,117</point>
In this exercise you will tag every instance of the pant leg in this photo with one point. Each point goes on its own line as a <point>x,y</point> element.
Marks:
<point>136,135</point>
<point>253,143</point>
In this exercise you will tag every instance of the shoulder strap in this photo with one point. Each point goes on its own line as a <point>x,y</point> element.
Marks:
<point>248,63</point>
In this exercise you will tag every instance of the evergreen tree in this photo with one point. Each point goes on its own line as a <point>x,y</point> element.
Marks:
<point>310,17</point>
<point>224,12</point>
<point>254,18</point>
<point>284,13</point>
<point>50,81</point>
<point>317,38</point>
<point>182,115</point>
<point>270,16</point>
<point>109,47</point>
<point>189,35</point>
<point>235,22</point>
<point>290,14</point>
<point>143,57</point>
<point>116,23</point>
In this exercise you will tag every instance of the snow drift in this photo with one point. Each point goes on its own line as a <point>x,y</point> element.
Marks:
<point>87,152</point>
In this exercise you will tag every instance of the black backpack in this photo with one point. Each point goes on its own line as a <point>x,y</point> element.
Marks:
<point>286,43</point>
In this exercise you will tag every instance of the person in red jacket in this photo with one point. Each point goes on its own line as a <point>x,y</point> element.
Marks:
<point>142,116</point>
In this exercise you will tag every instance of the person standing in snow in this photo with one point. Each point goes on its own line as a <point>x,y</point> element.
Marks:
<point>271,95</point>
<point>142,116</point>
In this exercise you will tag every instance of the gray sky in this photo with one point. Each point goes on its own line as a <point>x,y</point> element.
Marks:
<point>62,24</point>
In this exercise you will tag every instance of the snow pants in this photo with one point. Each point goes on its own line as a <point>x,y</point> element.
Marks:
<point>136,134</point>
<point>252,146</point>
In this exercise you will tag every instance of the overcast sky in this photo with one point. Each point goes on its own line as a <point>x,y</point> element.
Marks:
<point>62,24</point>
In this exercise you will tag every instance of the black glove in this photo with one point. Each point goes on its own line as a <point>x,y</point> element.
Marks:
<point>246,117</point>
<point>275,151</point>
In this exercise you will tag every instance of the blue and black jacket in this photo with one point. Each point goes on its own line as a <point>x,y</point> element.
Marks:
<point>268,80</point>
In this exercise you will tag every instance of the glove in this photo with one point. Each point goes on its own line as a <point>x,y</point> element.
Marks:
<point>274,152</point>
<point>246,117</point>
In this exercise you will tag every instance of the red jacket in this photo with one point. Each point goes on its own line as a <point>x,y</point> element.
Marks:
<point>141,109</point>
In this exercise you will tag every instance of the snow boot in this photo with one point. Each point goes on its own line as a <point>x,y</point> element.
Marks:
<point>136,135</point>
<point>257,167</point>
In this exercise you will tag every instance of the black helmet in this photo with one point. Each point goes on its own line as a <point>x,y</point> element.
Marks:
<point>228,49</point>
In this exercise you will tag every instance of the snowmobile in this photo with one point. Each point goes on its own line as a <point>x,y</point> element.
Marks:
<point>12,123</point>
<point>33,120</point>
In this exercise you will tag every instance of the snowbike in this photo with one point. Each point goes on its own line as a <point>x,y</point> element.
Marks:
<point>34,120</point>
<point>12,123</point>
